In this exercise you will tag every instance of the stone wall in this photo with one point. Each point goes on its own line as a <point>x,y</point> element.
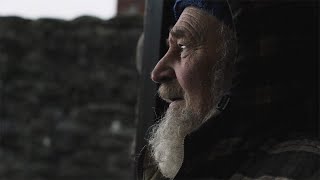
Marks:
<point>67,97</point>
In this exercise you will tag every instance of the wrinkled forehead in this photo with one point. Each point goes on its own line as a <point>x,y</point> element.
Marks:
<point>194,22</point>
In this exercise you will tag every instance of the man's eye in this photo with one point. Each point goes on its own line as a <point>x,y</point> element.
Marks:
<point>182,46</point>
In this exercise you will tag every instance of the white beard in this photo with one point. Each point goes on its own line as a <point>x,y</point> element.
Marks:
<point>167,136</point>
<point>167,140</point>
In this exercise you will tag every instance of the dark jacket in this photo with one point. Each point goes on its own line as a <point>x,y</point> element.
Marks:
<point>243,150</point>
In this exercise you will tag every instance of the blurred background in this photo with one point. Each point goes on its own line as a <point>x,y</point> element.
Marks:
<point>68,88</point>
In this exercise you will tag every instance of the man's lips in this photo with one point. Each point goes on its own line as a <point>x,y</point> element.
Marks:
<point>174,99</point>
<point>171,92</point>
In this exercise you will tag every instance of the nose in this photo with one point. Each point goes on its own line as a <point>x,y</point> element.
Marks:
<point>163,71</point>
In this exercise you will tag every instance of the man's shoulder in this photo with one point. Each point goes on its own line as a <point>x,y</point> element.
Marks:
<point>290,159</point>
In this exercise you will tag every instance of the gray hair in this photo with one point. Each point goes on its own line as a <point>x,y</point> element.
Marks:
<point>228,46</point>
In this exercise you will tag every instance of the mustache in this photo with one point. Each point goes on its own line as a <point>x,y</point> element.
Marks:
<point>171,90</point>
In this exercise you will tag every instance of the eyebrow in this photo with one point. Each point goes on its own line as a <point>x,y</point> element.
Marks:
<point>178,32</point>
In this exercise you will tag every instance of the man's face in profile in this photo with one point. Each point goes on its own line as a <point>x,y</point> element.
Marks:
<point>185,71</point>
<point>192,77</point>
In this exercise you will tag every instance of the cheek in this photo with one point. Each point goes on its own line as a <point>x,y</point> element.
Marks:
<point>194,76</point>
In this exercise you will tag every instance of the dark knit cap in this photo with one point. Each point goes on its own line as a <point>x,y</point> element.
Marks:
<point>217,8</point>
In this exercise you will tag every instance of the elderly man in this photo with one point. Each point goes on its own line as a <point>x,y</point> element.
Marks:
<point>208,132</point>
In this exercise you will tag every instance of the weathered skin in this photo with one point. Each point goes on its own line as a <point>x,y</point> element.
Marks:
<point>190,58</point>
